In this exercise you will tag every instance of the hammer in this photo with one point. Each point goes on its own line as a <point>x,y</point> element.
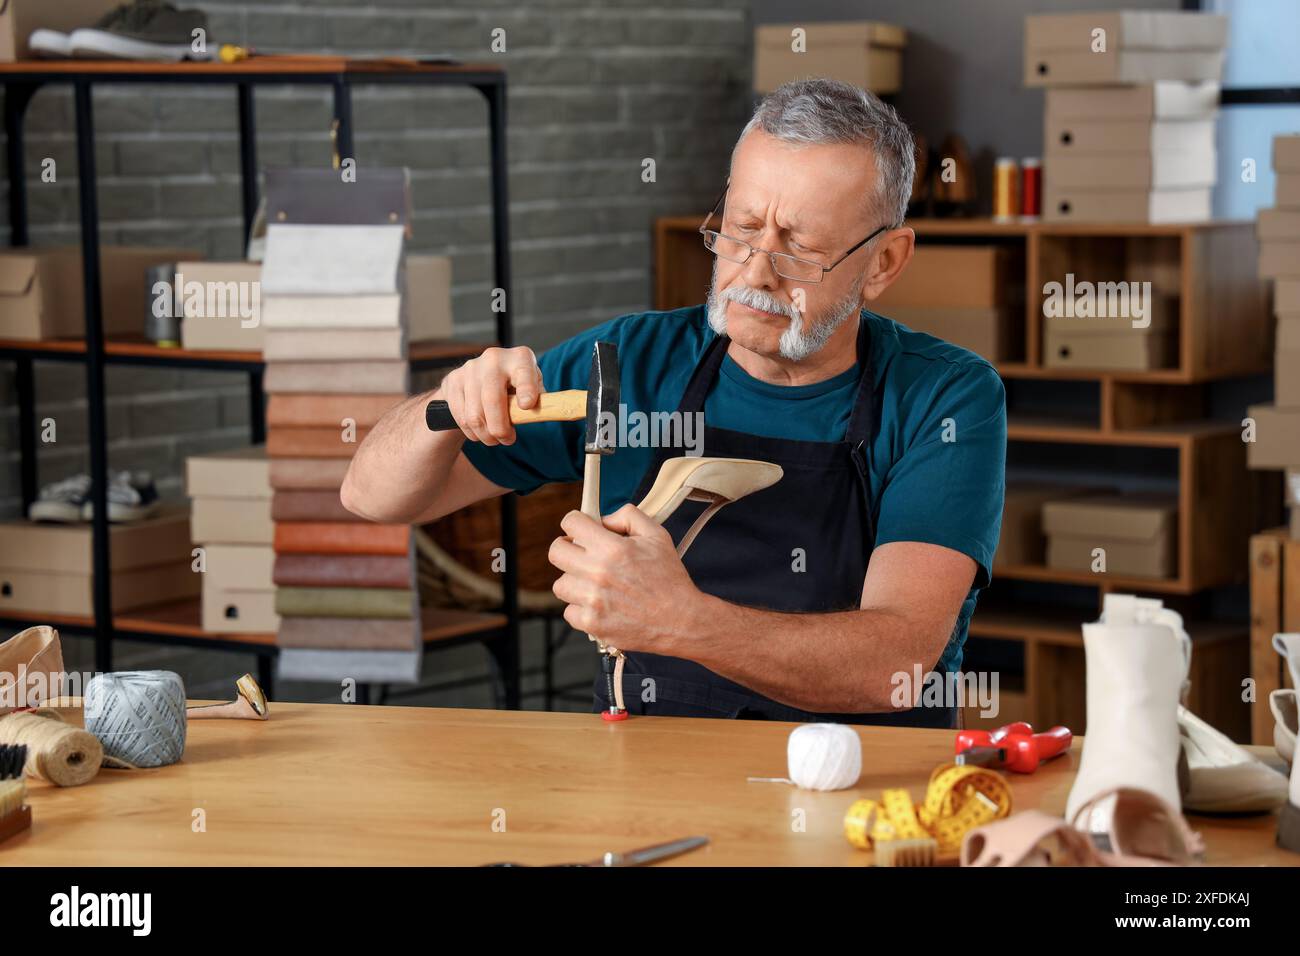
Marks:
<point>599,406</point>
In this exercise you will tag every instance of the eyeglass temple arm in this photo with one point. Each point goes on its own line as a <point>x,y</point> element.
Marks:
<point>714,208</point>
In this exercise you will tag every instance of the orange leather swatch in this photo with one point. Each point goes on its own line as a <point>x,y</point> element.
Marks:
<point>328,410</point>
<point>325,442</point>
<point>330,537</point>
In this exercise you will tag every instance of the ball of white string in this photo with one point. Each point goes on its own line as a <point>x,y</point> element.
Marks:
<point>824,756</point>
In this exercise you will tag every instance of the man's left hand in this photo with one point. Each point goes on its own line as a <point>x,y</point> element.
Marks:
<point>623,581</point>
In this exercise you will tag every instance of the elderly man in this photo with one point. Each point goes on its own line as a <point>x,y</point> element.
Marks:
<point>820,597</point>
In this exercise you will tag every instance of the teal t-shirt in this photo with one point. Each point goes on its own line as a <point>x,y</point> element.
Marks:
<point>937,456</point>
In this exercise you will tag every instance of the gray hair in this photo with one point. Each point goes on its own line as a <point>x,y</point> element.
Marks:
<point>822,111</point>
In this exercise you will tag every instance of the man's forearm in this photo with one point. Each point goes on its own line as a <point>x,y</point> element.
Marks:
<point>838,662</point>
<point>401,465</point>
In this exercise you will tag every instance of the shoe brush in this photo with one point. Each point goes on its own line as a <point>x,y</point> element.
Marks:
<point>15,815</point>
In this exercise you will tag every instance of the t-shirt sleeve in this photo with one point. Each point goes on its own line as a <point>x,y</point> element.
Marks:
<point>546,452</point>
<point>948,485</point>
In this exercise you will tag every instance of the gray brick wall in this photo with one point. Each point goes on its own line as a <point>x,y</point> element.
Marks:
<point>595,87</point>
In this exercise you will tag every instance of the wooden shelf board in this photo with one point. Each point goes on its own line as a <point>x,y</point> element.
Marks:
<point>1063,627</point>
<point>183,619</point>
<point>295,64</point>
<point>1038,572</point>
<point>1177,435</point>
<point>142,348</point>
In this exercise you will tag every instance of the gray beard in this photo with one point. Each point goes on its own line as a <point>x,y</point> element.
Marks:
<point>798,341</point>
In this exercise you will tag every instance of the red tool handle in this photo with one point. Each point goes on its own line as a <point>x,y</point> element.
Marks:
<point>1024,749</point>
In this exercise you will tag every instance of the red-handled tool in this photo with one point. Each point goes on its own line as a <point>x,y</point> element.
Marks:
<point>1013,747</point>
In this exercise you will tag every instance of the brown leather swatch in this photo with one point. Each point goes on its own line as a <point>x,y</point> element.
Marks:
<point>321,442</point>
<point>327,410</point>
<point>343,633</point>
<point>319,473</point>
<point>337,537</point>
<point>342,570</point>
<point>299,504</point>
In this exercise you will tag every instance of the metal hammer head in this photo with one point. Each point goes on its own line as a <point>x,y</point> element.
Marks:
<point>602,399</point>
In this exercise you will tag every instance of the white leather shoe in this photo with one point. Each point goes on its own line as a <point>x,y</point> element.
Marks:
<point>1137,659</point>
<point>1223,777</point>
<point>1288,827</point>
<point>1286,720</point>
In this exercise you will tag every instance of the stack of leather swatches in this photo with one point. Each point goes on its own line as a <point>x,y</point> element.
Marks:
<point>231,521</point>
<point>336,359</point>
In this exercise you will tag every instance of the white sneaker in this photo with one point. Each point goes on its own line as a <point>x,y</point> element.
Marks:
<point>50,43</point>
<point>131,496</point>
<point>61,501</point>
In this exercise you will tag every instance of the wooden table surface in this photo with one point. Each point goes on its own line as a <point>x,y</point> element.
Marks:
<point>351,784</point>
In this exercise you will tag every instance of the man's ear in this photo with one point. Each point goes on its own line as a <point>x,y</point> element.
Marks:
<point>892,255</point>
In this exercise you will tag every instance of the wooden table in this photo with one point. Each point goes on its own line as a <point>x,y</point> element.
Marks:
<point>349,784</point>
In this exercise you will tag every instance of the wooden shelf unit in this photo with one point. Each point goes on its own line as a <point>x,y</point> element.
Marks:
<point>1224,330</point>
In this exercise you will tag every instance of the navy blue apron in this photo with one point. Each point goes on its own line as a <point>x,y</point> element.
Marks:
<point>746,554</point>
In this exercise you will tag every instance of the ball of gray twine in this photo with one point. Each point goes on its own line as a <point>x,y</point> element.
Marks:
<point>139,717</point>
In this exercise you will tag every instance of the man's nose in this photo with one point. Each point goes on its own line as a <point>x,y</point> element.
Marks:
<point>760,272</point>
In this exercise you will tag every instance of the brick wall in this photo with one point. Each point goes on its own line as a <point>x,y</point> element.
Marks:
<point>595,87</point>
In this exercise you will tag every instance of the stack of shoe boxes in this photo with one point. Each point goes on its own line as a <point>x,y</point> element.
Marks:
<point>1130,111</point>
<point>1277,438</point>
<point>336,359</point>
<point>231,522</point>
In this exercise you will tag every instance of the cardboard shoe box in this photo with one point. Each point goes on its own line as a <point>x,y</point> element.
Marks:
<point>1164,100</point>
<point>1137,533</point>
<point>1111,342</point>
<point>1140,47</point>
<point>231,611</point>
<point>238,473</point>
<point>1090,204</point>
<point>1078,135</point>
<point>1022,540</point>
<point>1286,377</point>
<point>224,310</point>
<point>47,568</point>
<point>427,297</point>
<point>1279,259</point>
<point>988,331</point>
<point>954,277</point>
<point>863,53</point>
<point>42,293</point>
<point>1277,437</point>
<point>232,521</point>
<point>1165,169</point>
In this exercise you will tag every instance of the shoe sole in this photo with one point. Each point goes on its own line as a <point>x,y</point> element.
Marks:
<point>100,44</point>
<point>1288,828</point>
<point>60,513</point>
<point>49,43</point>
<point>119,514</point>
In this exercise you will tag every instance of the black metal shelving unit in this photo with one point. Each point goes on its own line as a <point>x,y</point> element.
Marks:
<point>21,81</point>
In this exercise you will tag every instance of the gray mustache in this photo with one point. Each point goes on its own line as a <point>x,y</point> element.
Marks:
<point>758,299</point>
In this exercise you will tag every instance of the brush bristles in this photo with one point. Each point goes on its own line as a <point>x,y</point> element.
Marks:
<point>12,759</point>
<point>13,797</point>
<point>917,852</point>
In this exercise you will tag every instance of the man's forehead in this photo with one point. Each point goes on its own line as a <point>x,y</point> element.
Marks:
<point>809,186</point>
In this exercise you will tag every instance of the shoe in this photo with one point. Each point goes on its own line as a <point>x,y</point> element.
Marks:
<point>1222,777</point>
<point>61,501</point>
<point>1137,657</point>
<point>1288,827</point>
<point>131,496</point>
<point>50,43</point>
<point>718,481</point>
<point>31,663</point>
<point>1283,704</point>
<point>140,30</point>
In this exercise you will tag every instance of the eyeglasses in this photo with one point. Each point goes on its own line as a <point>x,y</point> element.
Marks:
<point>787,266</point>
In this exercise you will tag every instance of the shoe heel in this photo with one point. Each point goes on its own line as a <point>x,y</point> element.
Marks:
<point>1288,828</point>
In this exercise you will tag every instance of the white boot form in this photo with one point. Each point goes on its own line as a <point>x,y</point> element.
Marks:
<point>1138,659</point>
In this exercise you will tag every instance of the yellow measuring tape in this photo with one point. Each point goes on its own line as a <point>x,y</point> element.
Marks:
<point>957,800</point>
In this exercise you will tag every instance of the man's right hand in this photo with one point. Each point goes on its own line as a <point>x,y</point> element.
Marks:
<point>478,393</point>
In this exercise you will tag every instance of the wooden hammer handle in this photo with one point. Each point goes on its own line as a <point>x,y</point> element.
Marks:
<point>566,406</point>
